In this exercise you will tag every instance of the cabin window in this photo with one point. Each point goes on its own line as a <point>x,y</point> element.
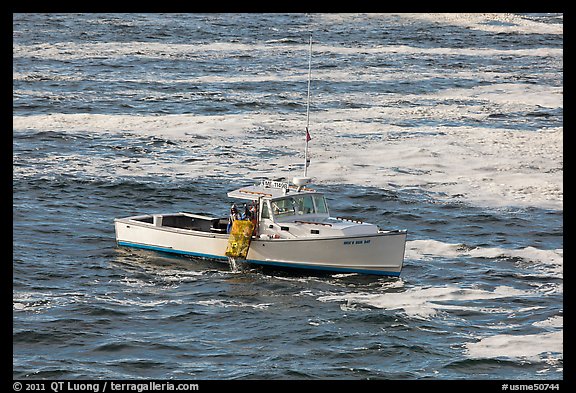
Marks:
<point>303,204</point>
<point>299,205</point>
<point>320,203</point>
<point>147,219</point>
<point>283,207</point>
<point>265,210</point>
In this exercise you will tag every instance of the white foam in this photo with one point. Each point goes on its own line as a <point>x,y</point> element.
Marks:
<point>514,96</point>
<point>178,276</point>
<point>546,347</point>
<point>424,303</point>
<point>421,249</point>
<point>110,50</point>
<point>551,323</point>
<point>549,263</point>
<point>135,301</point>
<point>487,167</point>
<point>136,283</point>
<point>233,303</point>
<point>491,22</point>
<point>40,301</point>
<point>31,301</point>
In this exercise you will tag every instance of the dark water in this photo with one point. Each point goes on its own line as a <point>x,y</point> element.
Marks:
<point>481,293</point>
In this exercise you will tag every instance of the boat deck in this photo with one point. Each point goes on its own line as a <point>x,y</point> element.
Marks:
<point>185,220</point>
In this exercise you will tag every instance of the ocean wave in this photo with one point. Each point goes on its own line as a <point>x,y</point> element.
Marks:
<point>425,303</point>
<point>232,303</point>
<point>546,347</point>
<point>547,262</point>
<point>493,22</point>
<point>108,50</point>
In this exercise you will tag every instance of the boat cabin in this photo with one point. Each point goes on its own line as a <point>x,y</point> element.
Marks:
<point>281,202</point>
<point>286,211</point>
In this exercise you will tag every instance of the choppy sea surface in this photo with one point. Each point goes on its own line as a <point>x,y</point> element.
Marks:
<point>447,125</point>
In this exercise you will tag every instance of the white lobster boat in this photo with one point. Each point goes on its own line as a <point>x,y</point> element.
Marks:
<point>293,228</point>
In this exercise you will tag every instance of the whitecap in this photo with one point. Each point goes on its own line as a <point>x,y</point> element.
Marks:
<point>425,303</point>
<point>233,303</point>
<point>546,347</point>
<point>546,262</point>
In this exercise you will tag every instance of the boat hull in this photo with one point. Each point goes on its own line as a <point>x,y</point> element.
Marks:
<point>381,253</point>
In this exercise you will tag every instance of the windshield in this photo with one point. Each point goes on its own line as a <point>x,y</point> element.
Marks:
<point>320,203</point>
<point>299,205</point>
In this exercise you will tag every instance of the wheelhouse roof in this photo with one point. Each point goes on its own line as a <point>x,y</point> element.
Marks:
<point>268,190</point>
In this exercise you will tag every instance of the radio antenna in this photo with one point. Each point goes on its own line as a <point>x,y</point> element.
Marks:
<point>306,160</point>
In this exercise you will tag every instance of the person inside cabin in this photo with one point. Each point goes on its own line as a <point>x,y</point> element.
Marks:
<point>246,213</point>
<point>250,212</point>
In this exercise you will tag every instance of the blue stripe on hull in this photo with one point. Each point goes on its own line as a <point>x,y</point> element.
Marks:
<point>265,263</point>
<point>171,250</point>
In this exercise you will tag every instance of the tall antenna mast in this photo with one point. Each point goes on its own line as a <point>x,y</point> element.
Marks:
<point>302,181</point>
<point>306,160</point>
